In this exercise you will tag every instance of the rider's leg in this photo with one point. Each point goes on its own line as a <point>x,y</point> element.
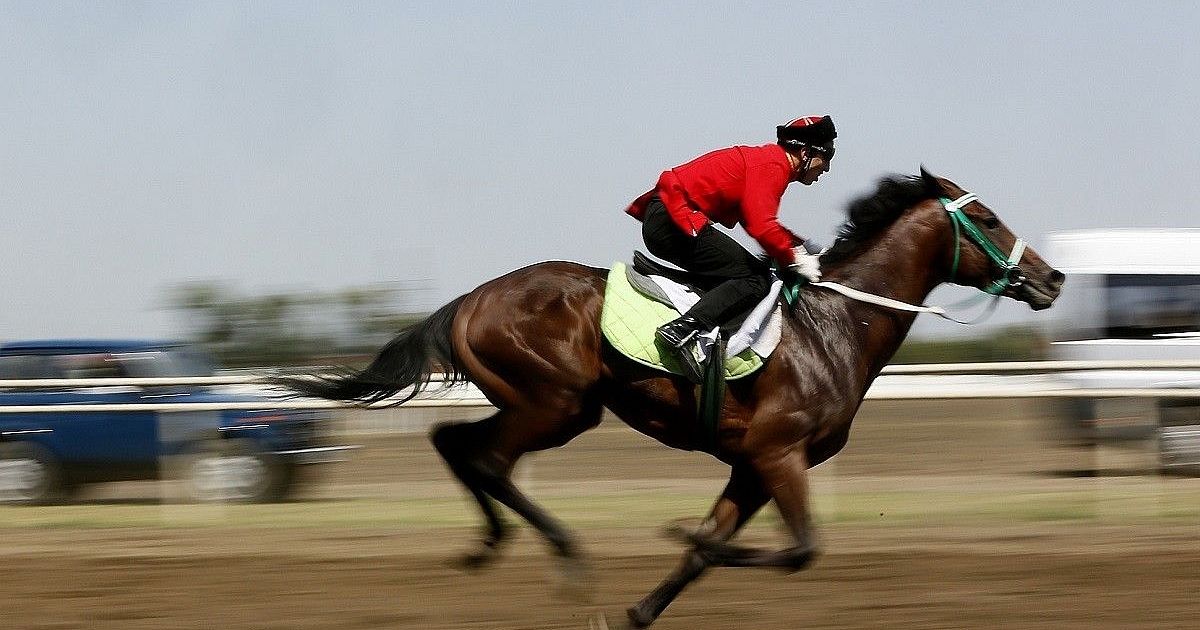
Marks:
<point>734,280</point>
<point>711,255</point>
<point>729,298</point>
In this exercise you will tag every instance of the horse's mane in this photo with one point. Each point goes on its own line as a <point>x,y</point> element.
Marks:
<point>869,214</point>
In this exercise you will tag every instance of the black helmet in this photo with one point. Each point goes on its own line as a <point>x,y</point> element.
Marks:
<point>806,131</point>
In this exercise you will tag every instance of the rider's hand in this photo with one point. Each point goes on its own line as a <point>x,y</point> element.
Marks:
<point>807,266</point>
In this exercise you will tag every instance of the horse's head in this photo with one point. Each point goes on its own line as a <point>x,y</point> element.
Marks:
<point>985,254</point>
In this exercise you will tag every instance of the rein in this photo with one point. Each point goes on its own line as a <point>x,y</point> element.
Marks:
<point>1012,276</point>
<point>940,311</point>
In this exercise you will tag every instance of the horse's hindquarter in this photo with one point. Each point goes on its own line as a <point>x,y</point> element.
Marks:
<point>533,335</point>
<point>531,341</point>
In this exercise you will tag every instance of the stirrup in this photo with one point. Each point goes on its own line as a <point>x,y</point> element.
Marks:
<point>691,367</point>
<point>682,336</point>
<point>679,332</point>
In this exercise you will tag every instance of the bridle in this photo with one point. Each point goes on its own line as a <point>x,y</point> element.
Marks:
<point>1011,276</point>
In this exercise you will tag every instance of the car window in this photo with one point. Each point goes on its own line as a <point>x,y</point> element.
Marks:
<point>1149,306</point>
<point>166,363</point>
<point>28,366</point>
<point>90,366</point>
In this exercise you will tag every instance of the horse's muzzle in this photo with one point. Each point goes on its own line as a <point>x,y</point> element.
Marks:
<point>1039,292</point>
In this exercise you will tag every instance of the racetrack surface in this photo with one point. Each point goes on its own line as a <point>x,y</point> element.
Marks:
<point>936,516</point>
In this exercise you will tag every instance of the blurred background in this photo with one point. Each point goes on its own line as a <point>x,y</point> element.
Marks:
<point>217,190</point>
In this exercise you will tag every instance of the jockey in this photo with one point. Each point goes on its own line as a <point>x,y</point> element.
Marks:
<point>730,186</point>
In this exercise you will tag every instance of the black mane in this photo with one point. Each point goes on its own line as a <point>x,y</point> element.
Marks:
<point>867,215</point>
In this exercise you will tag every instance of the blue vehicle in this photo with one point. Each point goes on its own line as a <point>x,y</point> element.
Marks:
<point>219,455</point>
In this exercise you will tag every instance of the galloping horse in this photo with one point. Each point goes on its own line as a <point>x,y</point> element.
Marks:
<point>531,341</point>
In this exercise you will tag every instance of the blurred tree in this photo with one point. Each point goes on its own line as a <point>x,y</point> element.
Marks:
<point>301,328</point>
<point>1015,343</point>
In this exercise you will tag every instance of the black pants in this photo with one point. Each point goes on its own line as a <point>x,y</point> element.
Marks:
<point>734,279</point>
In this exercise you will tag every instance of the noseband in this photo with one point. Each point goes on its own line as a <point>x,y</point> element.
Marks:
<point>1011,275</point>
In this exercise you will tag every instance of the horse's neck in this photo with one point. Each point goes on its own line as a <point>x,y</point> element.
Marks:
<point>896,267</point>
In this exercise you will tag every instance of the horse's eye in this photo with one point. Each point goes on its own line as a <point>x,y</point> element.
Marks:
<point>991,223</point>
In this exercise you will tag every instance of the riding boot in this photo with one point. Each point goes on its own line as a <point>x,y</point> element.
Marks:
<point>682,337</point>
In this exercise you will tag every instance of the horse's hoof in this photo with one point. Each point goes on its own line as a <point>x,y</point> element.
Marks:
<point>639,618</point>
<point>575,580</point>
<point>483,556</point>
<point>674,531</point>
<point>682,530</point>
<point>599,621</point>
<point>800,560</point>
<point>477,560</point>
<point>700,542</point>
<point>679,533</point>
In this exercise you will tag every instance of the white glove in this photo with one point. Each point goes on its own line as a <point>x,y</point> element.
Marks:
<point>807,265</point>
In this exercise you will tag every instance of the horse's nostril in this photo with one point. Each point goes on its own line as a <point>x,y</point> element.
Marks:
<point>1057,277</point>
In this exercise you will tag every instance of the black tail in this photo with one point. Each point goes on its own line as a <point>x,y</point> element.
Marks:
<point>408,360</point>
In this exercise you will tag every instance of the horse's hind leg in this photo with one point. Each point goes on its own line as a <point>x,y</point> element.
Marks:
<point>517,433</point>
<point>741,499</point>
<point>458,443</point>
<point>482,456</point>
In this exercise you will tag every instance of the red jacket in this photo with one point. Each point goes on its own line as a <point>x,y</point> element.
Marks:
<point>730,186</point>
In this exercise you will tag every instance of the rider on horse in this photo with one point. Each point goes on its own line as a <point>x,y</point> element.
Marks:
<point>729,186</point>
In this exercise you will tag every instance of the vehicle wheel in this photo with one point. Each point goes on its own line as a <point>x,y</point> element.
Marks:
<point>235,471</point>
<point>1179,436</point>
<point>29,475</point>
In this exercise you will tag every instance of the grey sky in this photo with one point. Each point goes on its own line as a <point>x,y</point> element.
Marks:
<point>320,145</point>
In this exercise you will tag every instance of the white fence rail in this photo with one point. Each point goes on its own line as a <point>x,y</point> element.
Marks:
<point>1037,367</point>
<point>1002,367</point>
<point>898,382</point>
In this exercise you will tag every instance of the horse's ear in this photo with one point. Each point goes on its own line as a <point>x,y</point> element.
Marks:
<point>932,183</point>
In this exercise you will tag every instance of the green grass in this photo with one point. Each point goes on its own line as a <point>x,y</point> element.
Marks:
<point>1119,503</point>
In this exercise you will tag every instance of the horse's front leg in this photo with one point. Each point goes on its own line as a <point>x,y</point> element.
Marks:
<point>741,499</point>
<point>784,472</point>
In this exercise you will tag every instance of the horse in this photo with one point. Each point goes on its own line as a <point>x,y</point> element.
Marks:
<point>530,340</point>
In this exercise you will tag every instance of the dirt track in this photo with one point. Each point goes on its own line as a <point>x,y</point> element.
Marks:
<point>1128,560</point>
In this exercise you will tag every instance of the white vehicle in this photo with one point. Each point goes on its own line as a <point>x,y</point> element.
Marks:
<point>1131,295</point>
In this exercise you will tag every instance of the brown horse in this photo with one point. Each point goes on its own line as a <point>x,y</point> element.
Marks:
<point>531,341</point>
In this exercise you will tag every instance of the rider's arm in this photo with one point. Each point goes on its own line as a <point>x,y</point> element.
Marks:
<point>760,211</point>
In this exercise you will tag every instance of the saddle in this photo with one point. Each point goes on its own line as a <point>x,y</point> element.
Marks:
<point>641,297</point>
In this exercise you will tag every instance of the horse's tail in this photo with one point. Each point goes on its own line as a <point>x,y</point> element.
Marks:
<point>408,360</point>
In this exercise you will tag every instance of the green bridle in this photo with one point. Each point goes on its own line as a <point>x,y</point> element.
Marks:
<point>1012,276</point>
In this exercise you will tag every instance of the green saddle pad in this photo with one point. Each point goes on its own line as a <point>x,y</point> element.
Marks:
<point>629,319</point>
